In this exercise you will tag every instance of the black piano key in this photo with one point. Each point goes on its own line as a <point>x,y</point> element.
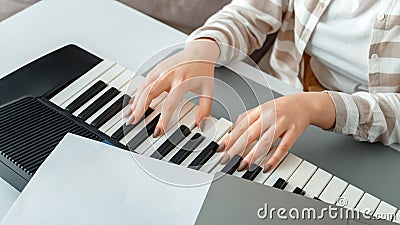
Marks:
<point>111,111</point>
<point>232,165</point>
<point>299,191</point>
<point>119,134</point>
<point>204,156</point>
<point>86,96</point>
<point>166,147</point>
<point>187,149</point>
<point>280,183</point>
<point>99,103</point>
<point>143,134</point>
<point>253,171</point>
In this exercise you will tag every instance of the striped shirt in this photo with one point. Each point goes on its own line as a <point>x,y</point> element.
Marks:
<point>367,116</point>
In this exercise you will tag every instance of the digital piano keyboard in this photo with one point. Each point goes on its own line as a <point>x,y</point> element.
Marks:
<point>86,96</point>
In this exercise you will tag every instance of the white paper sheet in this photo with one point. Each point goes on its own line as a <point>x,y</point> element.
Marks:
<point>8,195</point>
<point>87,182</point>
<point>396,146</point>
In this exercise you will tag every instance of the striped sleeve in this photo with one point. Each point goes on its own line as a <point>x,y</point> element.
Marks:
<point>243,24</point>
<point>368,117</point>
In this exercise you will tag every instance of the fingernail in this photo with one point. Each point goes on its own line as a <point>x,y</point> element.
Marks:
<point>225,159</point>
<point>253,167</point>
<point>221,147</point>
<point>157,132</point>
<point>131,120</point>
<point>202,125</point>
<point>267,168</point>
<point>127,112</point>
<point>243,165</point>
<point>132,99</point>
<point>233,126</point>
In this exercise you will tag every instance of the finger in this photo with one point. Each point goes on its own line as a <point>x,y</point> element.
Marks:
<point>243,164</point>
<point>262,147</point>
<point>170,106</point>
<point>241,117</point>
<point>248,137</point>
<point>287,141</point>
<point>239,120</point>
<point>205,103</point>
<point>222,146</point>
<point>157,72</point>
<point>136,96</point>
<point>144,100</point>
<point>132,97</point>
<point>136,93</point>
<point>240,127</point>
<point>229,137</point>
<point>127,111</point>
<point>249,148</point>
<point>148,83</point>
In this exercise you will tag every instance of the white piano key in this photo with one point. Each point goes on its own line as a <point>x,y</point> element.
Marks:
<point>133,85</point>
<point>120,120</point>
<point>217,168</point>
<point>82,82</point>
<point>123,79</point>
<point>106,77</point>
<point>284,170</point>
<point>141,125</point>
<point>368,204</point>
<point>187,117</point>
<point>351,196</point>
<point>219,130</point>
<point>262,177</point>
<point>333,190</point>
<point>385,211</point>
<point>239,174</point>
<point>397,217</point>
<point>213,131</point>
<point>301,176</point>
<point>112,74</point>
<point>317,183</point>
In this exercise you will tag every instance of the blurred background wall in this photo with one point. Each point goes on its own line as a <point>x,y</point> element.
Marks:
<point>184,15</point>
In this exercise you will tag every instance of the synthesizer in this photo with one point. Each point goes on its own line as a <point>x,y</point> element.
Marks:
<point>87,96</point>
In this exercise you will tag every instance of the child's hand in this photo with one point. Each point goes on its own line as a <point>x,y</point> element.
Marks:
<point>192,69</point>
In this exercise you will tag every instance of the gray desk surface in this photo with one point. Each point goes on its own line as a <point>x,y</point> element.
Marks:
<point>373,168</point>
<point>112,30</point>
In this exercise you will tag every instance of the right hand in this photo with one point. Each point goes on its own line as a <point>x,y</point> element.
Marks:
<point>192,69</point>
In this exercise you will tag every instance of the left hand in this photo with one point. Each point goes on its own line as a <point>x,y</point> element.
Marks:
<point>286,118</point>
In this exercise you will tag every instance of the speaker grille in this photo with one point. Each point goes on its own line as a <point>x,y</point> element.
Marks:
<point>30,130</point>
